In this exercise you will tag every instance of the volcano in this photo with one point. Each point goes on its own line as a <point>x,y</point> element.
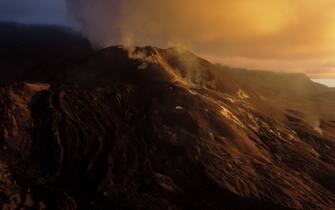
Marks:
<point>148,128</point>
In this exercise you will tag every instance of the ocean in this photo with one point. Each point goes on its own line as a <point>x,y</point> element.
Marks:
<point>327,82</point>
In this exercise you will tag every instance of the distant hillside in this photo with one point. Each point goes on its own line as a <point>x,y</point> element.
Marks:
<point>25,47</point>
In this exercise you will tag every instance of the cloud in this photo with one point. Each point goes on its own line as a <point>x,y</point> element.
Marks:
<point>35,12</point>
<point>258,28</point>
<point>269,34</point>
<point>292,31</point>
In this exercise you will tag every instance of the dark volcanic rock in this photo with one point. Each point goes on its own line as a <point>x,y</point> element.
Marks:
<point>148,128</point>
<point>112,147</point>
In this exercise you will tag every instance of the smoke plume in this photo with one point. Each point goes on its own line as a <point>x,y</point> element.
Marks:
<point>284,30</point>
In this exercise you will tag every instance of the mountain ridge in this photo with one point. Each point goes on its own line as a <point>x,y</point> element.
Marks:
<point>150,128</point>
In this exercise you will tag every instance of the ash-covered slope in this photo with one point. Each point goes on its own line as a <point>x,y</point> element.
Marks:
<point>147,128</point>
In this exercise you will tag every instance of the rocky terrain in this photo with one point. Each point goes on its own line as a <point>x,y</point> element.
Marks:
<point>147,128</point>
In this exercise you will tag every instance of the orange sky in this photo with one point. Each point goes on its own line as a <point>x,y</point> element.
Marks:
<point>279,35</point>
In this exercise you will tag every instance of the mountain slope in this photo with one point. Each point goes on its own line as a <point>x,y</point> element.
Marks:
<point>149,128</point>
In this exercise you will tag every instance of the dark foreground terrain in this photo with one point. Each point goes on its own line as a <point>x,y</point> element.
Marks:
<point>148,128</point>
